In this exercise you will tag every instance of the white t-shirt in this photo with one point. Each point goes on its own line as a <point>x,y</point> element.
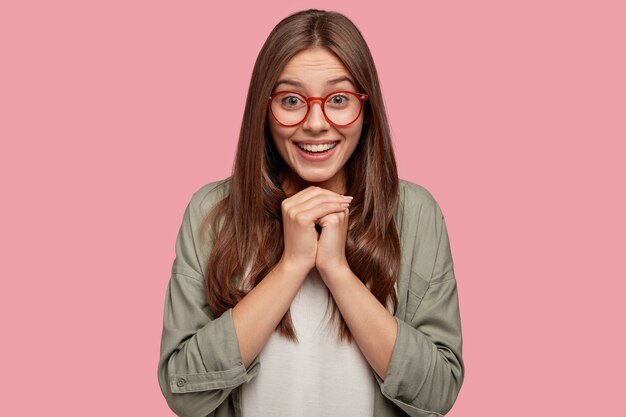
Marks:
<point>314,377</point>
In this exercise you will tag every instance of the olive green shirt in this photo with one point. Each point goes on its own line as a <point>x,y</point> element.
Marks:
<point>200,369</point>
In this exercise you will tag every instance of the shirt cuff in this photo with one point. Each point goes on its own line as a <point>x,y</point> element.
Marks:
<point>400,385</point>
<point>219,349</point>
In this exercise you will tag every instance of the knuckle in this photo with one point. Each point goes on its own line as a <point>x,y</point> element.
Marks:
<point>290,213</point>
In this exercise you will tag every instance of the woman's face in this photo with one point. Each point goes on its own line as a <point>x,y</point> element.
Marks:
<point>311,73</point>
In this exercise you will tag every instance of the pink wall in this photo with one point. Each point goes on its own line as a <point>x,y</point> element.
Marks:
<point>513,116</point>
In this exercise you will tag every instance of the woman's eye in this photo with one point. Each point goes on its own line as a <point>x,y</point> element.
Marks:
<point>290,100</point>
<point>338,99</point>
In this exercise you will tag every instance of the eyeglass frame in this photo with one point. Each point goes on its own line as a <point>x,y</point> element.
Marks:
<point>361,96</point>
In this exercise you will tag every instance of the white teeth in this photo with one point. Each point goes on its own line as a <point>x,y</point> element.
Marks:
<point>317,148</point>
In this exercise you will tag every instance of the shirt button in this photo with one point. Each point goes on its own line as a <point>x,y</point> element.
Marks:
<point>180,382</point>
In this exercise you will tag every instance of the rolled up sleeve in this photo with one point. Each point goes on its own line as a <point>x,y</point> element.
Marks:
<point>426,369</point>
<point>200,361</point>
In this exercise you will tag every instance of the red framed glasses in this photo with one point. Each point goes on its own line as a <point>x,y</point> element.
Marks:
<point>340,108</point>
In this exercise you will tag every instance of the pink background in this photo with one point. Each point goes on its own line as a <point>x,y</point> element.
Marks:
<point>513,115</point>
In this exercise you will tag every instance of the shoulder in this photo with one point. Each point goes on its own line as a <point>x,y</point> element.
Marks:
<point>424,237</point>
<point>207,196</point>
<point>417,199</point>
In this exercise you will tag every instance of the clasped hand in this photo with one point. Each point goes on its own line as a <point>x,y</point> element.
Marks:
<point>304,247</point>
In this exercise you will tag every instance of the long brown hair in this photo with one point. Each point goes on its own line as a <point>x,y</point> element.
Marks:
<point>246,225</point>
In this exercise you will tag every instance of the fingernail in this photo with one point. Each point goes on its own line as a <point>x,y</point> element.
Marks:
<point>348,197</point>
<point>345,205</point>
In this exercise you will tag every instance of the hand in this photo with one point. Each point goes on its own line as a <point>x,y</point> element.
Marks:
<point>300,214</point>
<point>331,246</point>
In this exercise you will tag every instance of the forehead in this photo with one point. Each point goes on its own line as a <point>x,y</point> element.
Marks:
<point>314,67</point>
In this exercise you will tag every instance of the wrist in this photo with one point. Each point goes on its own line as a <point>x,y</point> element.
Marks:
<point>293,268</point>
<point>334,270</point>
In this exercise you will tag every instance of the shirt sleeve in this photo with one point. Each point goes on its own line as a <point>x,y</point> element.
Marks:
<point>200,361</point>
<point>426,369</point>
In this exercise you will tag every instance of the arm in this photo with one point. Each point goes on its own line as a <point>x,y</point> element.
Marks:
<point>426,368</point>
<point>416,357</point>
<point>390,346</point>
<point>200,362</point>
<point>203,358</point>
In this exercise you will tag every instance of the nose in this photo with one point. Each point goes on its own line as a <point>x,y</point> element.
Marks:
<point>315,120</point>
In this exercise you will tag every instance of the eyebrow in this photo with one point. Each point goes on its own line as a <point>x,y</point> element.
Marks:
<point>329,82</point>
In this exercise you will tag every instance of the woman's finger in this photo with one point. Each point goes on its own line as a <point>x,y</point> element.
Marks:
<point>307,194</point>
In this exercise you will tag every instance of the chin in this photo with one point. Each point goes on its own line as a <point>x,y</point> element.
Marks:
<point>315,178</point>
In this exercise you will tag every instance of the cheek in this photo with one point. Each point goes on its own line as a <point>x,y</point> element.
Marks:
<point>279,133</point>
<point>354,136</point>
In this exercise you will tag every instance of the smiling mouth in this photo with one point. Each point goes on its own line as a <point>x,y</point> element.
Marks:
<point>320,148</point>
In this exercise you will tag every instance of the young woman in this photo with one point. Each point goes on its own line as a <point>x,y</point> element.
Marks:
<point>313,219</point>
